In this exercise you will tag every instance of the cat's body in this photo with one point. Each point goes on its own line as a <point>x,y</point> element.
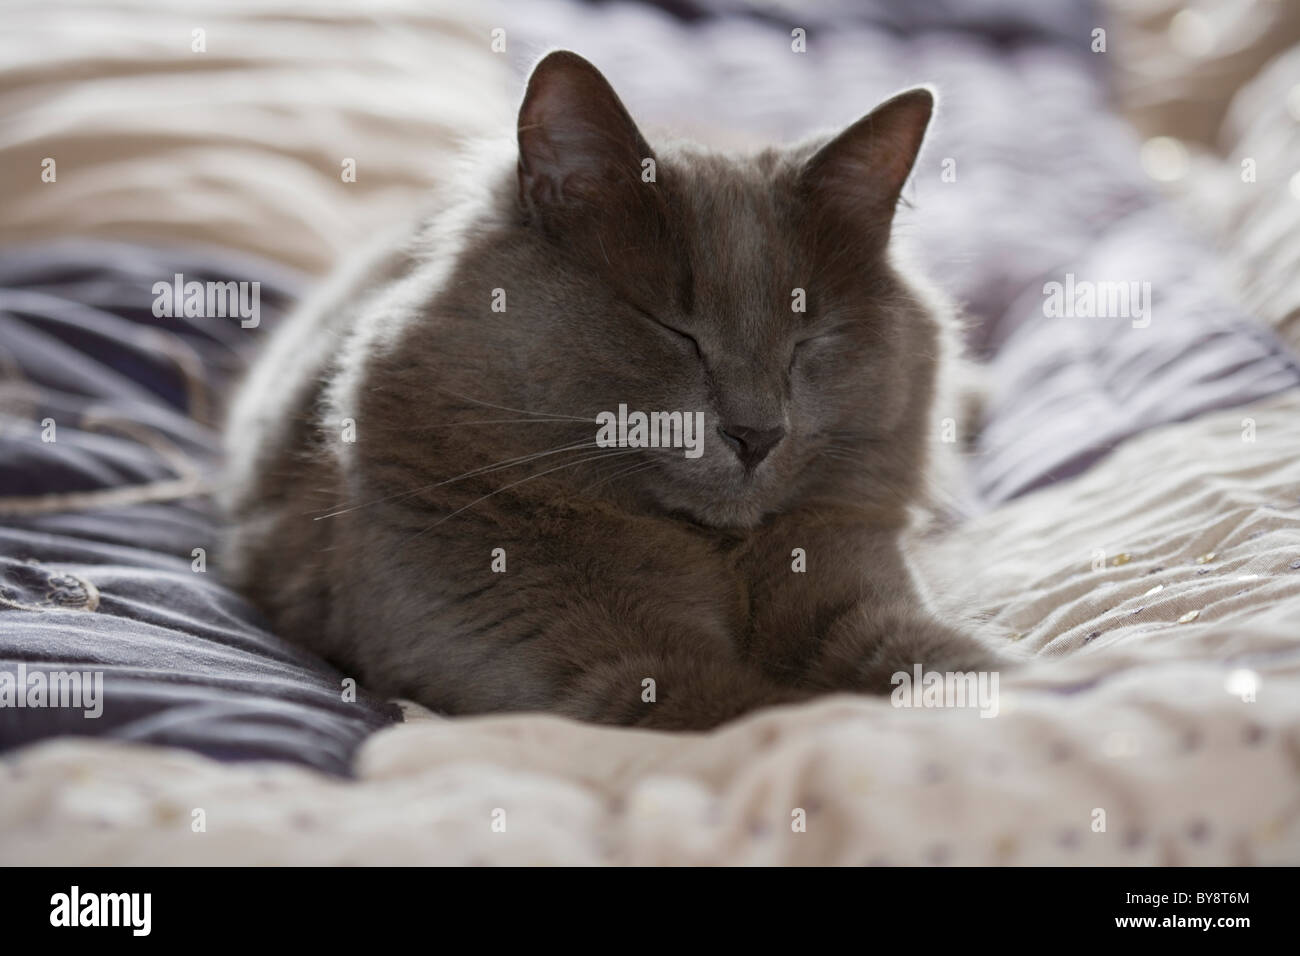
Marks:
<point>473,549</point>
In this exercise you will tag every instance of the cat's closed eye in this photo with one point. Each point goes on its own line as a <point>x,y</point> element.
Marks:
<point>684,337</point>
<point>807,346</point>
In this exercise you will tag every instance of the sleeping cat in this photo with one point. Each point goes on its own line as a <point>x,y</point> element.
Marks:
<point>426,487</point>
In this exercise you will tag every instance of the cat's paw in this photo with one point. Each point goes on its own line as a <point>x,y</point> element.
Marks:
<point>866,650</point>
<point>686,692</point>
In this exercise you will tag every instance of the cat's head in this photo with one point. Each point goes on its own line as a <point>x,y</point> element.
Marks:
<point>754,290</point>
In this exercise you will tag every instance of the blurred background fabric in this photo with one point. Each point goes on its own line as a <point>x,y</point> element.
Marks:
<point>240,145</point>
<point>1216,88</point>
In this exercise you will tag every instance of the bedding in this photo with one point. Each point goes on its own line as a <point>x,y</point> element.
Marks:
<point>1138,544</point>
<point>1175,711</point>
<point>1179,67</point>
<point>1229,112</point>
<point>233,123</point>
<point>1258,226</point>
<point>108,448</point>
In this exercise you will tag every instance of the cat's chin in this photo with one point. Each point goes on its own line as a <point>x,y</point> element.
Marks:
<point>724,515</point>
<point>711,506</point>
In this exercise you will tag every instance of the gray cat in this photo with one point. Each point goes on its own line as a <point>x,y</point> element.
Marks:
<point>439,472</point>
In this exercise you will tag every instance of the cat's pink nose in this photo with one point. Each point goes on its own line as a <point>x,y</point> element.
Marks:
<point>751,445</point>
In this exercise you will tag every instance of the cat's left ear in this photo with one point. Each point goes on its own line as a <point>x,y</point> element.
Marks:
<point>579,151</point>
<point>582,178</point>
<point>861,172</point>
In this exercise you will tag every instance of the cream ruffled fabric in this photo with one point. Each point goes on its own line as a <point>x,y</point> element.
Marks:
<point>242,145</point>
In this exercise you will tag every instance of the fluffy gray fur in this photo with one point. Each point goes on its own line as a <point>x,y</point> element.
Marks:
<point>475,431</point>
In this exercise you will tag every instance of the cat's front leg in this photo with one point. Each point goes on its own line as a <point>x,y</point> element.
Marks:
<point>595,617</point>
<point>834,607</point>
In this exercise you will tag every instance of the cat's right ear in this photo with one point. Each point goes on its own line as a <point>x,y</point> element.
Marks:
<point>857,178</point>
<point>579,151</point>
